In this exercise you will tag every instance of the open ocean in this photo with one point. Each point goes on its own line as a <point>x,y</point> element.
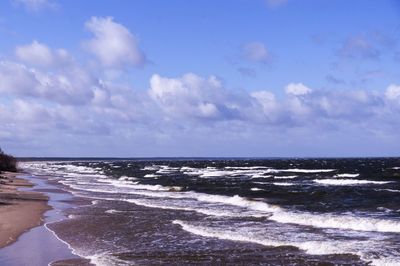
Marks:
<point>230,211</point>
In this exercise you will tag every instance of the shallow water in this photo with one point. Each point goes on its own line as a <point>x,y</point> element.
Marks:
<point>39,246</point>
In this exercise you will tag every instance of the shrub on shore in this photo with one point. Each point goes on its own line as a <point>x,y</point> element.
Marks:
<point>7,162</point>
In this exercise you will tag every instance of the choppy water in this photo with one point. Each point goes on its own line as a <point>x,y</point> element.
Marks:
<point>286,211</point>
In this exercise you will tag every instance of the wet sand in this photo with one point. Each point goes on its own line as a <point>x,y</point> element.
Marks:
<point>19,210</point>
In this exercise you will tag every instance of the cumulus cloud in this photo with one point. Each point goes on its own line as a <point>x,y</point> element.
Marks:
<point>270,107</point>
<point>297,89</point>
<point>41,55</point>
<point>35,5</point>
<point>255,52</point>
<point>113,44</point>
<point>393,92</point>
<point>73,86</point>
<point>193,96</point>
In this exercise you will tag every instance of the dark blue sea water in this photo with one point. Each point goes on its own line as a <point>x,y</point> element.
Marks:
<point>231,211</point>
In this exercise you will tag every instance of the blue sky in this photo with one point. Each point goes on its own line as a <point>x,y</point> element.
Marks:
<point>200,78</point>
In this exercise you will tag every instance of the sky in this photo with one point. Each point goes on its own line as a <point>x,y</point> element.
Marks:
<point>238,78</point>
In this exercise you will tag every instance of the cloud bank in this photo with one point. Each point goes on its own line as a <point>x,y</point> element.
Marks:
<point>51,101</point>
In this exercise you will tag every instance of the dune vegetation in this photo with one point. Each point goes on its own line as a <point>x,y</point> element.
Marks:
<point>7,162</point>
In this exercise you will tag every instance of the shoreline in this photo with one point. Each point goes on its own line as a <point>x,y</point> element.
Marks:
<point>20,210</point>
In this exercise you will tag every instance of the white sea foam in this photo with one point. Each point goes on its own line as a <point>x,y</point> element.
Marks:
<point>246,167</point>
<point>388,190</point>
<point>384,209</point>
<point>348,222</point>
<point>346,175</point>
<point>260,176</point>
<point>127,178</point>
<point>311,244</point>
<point>112,211</point>
<point>311,171</point>
<point>238,201</point>
<point>391,261</point>
<point>205,210</point>
<point>132,185</point>
<point>151,168</point>
<point>151,176</point>
<point>255,189</point>
<point>348,182</point>
<point>285,177</point>
<point>311,247</point>
<point>276,213</point>
<point>286,184</point>
<point>106,259</point>
<point>212,172</point>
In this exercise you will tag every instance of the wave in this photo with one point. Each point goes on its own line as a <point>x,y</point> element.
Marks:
<point>367,250</point>
<point>275,213</point>
<point>254,172</point>
<point>246,167</point>
<point>349,182</point>
<point>286,184</point>
<point>388,190</point>
<point>311,247</point>
<point>127,178</point>
<point>347,222</point>
<point>296,170</point>
<point>136,185</point>
<point>346,175</point>
<point>285,177</point>
<point>151,176</point>
<point>205,211</point>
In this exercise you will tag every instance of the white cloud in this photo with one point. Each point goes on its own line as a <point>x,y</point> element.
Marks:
<point>269,104</point>
<point>113,44</point>
<point>73,86</point>
<point>255,52</point>
<point>193,96</point>
<point>208,110</point>
<point>35,5</point>
<point>393,92</point>
<point>297,89</point>
<point>41,55</point>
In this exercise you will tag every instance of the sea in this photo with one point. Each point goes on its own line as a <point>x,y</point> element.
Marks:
<point>228,211</point>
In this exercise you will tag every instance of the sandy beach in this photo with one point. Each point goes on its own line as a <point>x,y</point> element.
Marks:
<point>19,210</point>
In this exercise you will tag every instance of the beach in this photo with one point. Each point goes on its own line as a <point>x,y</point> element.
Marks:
<point>19,210</point>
